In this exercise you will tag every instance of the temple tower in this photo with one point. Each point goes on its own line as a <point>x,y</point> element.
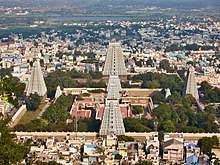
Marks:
<point>114,63</point>
<point>112,122</point>
<point>58,92</point>
<point>36,83</point>
<point>191,86</point>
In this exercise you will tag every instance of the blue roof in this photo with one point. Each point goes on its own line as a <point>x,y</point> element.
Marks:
<point>90,146</point>
<point>192,160</point>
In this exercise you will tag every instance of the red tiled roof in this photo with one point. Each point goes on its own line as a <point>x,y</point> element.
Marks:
<point>125,111</point>
<point>82,114</point>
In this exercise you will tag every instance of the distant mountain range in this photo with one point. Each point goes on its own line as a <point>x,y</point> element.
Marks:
<point>113,3</point>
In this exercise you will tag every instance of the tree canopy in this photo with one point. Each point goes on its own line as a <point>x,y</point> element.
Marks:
<point>207,143</point>
<point>11,88</point>
<point>157,80</point>
<point>53,119</point>
<point>165,64</point>
<point>137,109</point>
<point>125,138</point>
<point>32,102</point>
<point>10,151</point>
<point>72,79</point>
<point>210,94</point>
<point>175,115</point>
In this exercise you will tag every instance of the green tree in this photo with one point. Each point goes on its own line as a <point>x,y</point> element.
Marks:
<point>118,157</point>
<point>175,98</point>
<point>11,88</point>
<point>33,102</point>
<point>90,125</point>
<point>59,111</point>
<point>168,126</point>
<point>163,112</point>
<point>10,151</point>
<point>137,109</point>
<point>125,138</point>
<point>138,125</point>
<point>210,94</point>
<point>165,64</point>
<point>207,143</point>
<point>153,84</point>
<point>217,162</point>
<point>158,97</point>
<point>162,81</point>
<point>34,125</point>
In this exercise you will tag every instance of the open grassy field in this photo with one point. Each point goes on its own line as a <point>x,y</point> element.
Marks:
<point>31,115</point>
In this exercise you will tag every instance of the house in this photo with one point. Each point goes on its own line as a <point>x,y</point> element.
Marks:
<point>152,149</point>
<point>173,149</point>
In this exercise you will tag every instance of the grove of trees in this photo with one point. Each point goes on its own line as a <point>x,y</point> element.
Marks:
<point>177,113</point>
<point>157,80</point>
<point>53,119</point>
<point>207,143</point>
<point>210,94</point>
<point>32,102</point>
<point>72,79</point>
<point>10,87</point>
<point>10,151</point>
<point>137,109</point>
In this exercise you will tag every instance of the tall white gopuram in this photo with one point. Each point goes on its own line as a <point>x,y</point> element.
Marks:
<point>58,92</point>
<point>167,92</point>
<point>191,86</point>
<point>114,63</point>
<point>36,83</point>
<point>112,123</point>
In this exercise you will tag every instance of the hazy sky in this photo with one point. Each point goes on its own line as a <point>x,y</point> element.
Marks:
<point>88,3</point>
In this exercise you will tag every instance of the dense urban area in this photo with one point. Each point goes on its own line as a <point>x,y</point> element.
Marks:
<point>110,82</point>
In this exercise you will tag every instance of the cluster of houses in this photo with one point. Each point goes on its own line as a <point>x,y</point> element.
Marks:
<point>88,148</point>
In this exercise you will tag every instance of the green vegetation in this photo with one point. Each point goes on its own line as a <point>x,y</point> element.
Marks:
<point>84,125</point>
<point>188,47</point>
<point>90,125</point>
<point>138,125</point>
<point>157,80</point>
<point>165,64</point>
<point>53,119</point>
<point>137,109</point>
<point>26,31</point>
<point>95,75</point>
<point>207,143</point>
<point>31,115</point>
<point>177,115</point>
<point>125,138</point>
<point>10,151</point>
<point>32,102</point>
<point>10,87</point>
<point>33,125</point>
<point>210,94</point>
<point>158,97</point>
<point>118,157</point>
<point>58,112</point>
<point>72,79</point>
<point>97,91</point>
